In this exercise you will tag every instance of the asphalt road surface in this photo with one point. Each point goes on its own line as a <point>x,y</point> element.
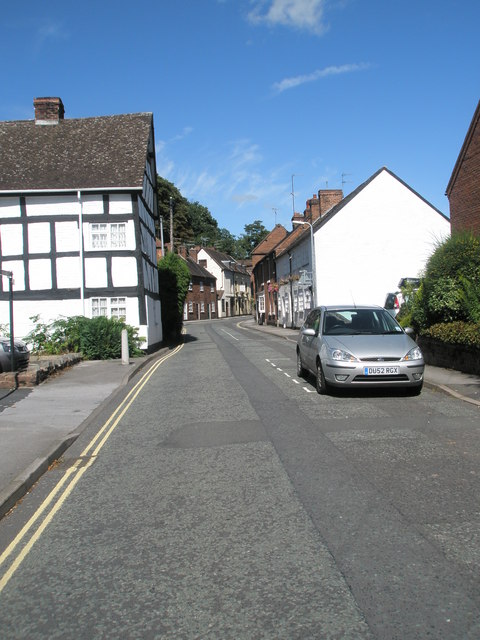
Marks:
<point>222,497</point>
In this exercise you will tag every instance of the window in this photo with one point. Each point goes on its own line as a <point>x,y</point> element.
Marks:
<point>190,286</point>
<point>108,236</point>
<point>99,307</point>
<point>190,307</point>
<point>109,307</point>
<point>212,307</point>
<point>201,285</point>
<point>202,307</point>
<point>118,308</point>
<point>212,288</point>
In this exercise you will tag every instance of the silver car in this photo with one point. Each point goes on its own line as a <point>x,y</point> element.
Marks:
<point>21,355</point>
<point>358,347</point>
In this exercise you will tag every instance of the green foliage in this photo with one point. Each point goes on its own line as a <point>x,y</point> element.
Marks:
<point>5,329</point>
<point>96,338</point>
<point>459,332</point>
<point>101,339</point>
<point>204,227</point>
<point>174,279</point>
<point>254,234</point>
<point>450,289</point>
<point>226,243</point>
<point>194,224</point>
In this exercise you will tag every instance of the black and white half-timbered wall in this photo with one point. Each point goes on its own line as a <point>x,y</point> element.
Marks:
<point>77,219</point>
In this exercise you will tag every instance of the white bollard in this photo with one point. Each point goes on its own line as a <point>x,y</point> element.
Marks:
<point>125,359</point>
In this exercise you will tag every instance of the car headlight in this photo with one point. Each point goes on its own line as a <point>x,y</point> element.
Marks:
<point>414,354</point>
<point>344,356</point>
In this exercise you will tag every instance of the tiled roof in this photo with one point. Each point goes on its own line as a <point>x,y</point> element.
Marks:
<point>197,270</point>
<point>225,261</point>
<point>76,153</point>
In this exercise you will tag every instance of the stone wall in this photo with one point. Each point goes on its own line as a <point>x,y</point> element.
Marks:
<point>450,356</point>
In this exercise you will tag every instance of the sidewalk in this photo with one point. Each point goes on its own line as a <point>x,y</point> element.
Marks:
<point>42,422</point>
<point>37,428</point>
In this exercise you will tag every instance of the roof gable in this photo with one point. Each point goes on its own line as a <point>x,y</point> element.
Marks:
<point>337,208</point>
<point>107,152</point>
<point>472,131</point>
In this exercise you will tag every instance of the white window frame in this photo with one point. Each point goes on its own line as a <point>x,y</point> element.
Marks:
<point>109,307</point>
<point>108,235</point>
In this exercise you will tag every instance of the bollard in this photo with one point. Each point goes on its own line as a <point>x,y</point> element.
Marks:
<point>125,359</point>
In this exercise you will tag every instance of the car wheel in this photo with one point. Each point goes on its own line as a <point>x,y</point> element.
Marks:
<point>322,386</point>
<point>300,368</point>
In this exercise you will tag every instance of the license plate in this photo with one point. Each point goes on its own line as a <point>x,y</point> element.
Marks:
<point>384,370</point>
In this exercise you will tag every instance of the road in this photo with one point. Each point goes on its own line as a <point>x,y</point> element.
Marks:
<point>224,498</point>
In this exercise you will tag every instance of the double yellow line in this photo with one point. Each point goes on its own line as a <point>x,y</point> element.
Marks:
<point>69,480</point>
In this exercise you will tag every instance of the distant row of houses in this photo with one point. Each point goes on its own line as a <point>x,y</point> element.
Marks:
<point>78,220</point>
<point>355,249</point>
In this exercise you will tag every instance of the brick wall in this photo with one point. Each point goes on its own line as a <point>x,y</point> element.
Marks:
<point>195,297</point>
<point>464,193</point>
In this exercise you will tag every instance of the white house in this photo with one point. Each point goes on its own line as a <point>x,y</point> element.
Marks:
<point>77,219</point>
<point>233,281</point>
<point>363,245</point>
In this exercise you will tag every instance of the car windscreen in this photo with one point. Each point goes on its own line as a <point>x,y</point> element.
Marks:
<point>359,321</point>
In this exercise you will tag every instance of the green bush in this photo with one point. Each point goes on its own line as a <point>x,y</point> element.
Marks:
<point>96,338</point>
<point>465,333</point>
<point>174,279</point>
<point>450,289</point>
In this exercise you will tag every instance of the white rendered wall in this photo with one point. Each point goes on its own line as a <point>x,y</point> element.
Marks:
<point>385,233</point>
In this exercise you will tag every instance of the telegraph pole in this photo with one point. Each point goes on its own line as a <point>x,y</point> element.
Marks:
<point>171,224</point>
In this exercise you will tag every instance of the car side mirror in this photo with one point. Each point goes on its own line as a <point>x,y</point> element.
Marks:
<point>309,332</point>
<point>409,331</point>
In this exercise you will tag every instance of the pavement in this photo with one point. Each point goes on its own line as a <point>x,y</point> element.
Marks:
<point>38,424</point>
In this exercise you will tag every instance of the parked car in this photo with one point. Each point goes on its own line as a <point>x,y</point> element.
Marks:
<point>395,299</point>
<point>21,355</point>
<point>358,347</point>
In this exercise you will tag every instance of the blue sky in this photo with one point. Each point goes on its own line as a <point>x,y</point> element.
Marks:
<point>248,93</point>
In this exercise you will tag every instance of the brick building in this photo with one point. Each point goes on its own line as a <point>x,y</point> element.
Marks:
<point>463,190</point>
<point>201,300</point>
<point>264,276</point>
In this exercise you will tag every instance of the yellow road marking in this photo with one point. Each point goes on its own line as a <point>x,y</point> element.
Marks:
<point>77,472</point>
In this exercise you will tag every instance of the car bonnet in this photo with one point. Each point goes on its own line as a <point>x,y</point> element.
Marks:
<point>369,346</point>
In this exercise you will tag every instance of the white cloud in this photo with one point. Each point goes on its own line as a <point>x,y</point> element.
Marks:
<point>307,15</point>
<point>51,31</point>
<point>296,81</point>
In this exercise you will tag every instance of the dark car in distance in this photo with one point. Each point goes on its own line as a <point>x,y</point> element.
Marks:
<point>21,355</point>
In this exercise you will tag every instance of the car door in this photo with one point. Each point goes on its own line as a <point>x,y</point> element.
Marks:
<point>309,342</point>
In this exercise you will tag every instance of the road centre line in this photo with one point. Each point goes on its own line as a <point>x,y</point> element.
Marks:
<point>288,375</point>
<point>231,336</point>
<point>77,472</point>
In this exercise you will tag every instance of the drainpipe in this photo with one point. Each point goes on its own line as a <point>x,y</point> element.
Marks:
<point>82,265</point>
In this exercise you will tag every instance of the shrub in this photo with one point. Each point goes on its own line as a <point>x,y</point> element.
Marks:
<point>96,338</point>
<point>450,289</point>
<point>465,333</point>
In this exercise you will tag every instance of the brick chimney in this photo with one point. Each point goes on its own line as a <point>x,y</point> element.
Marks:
<point>193,253</point>
<point>48,110</point>
<point>328,198</point>
<point>312,209</point>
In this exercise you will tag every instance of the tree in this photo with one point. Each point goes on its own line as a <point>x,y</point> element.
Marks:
<point>226,242</point>
<point>254,234</point>
<point>182,231</point>
<point>203,225</point>
<point>174,279</point>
